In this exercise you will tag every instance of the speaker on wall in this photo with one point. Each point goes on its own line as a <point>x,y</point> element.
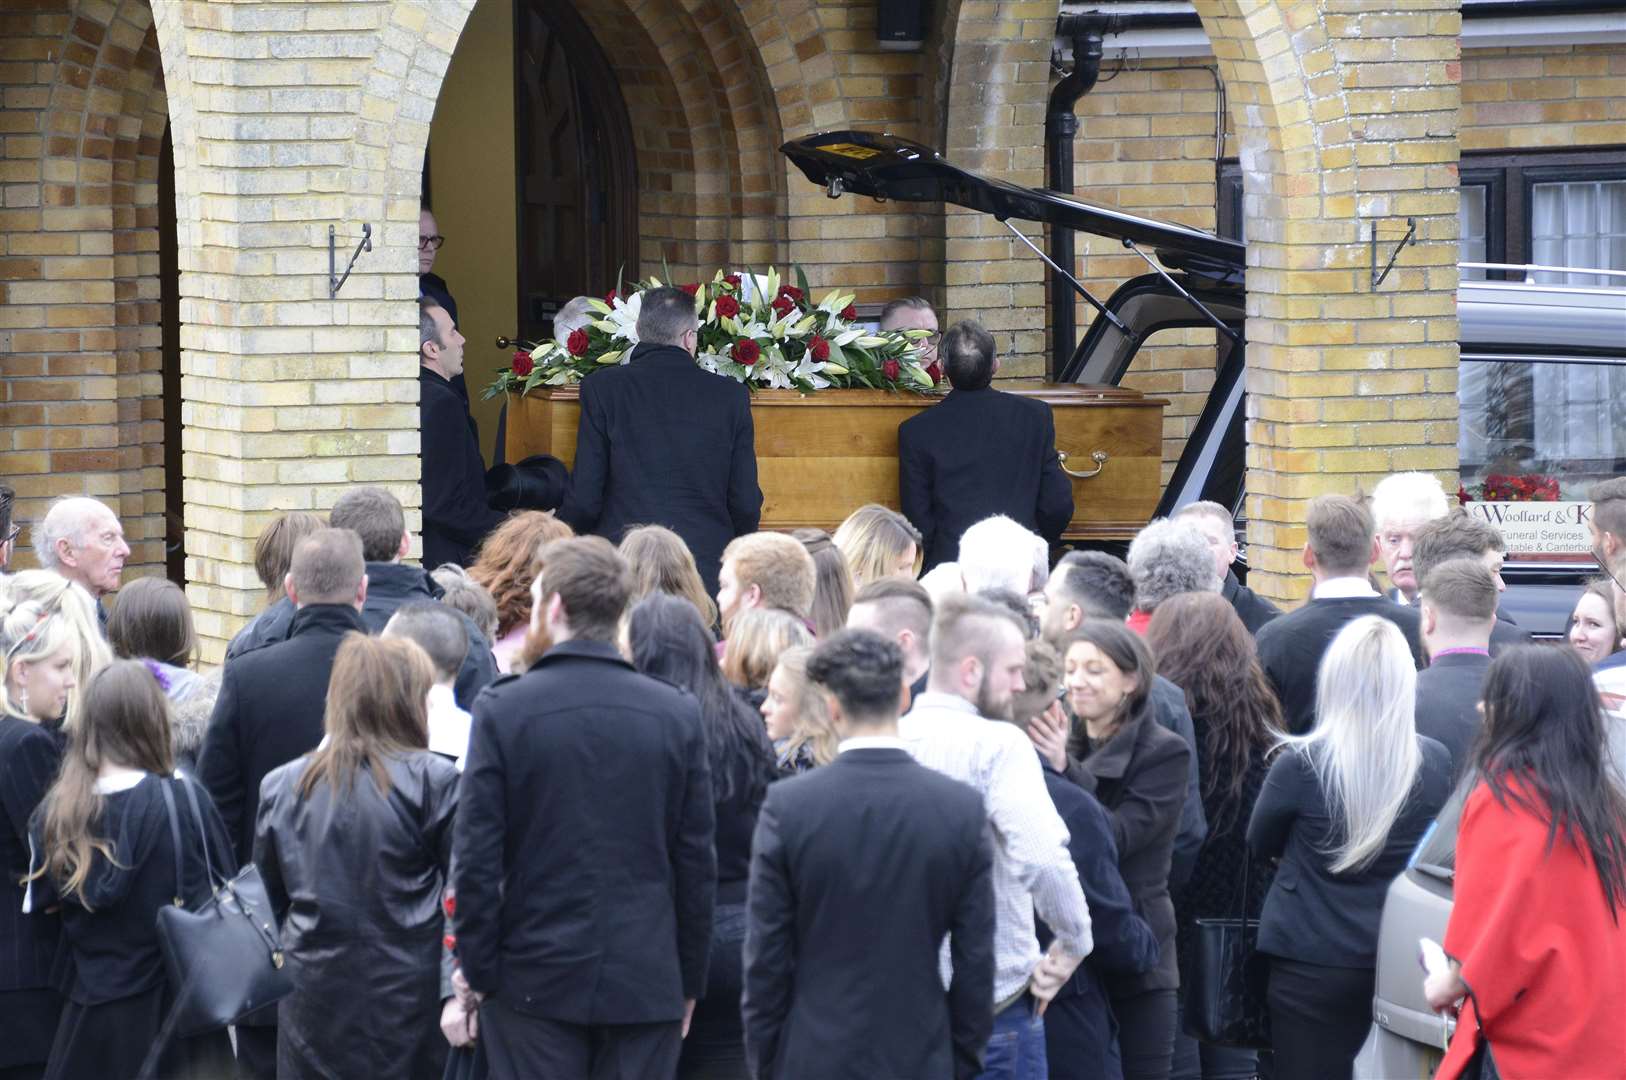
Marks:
<point>900,25</point>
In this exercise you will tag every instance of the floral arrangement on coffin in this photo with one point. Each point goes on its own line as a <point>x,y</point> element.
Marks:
<point>778,339</point>
<point>1499,487</point>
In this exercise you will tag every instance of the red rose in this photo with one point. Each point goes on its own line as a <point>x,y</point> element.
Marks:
<point>791,291</point>
<point>1462,495</point>
<point>847,314</point>
<point>746,351</point>
<point>576,343</point>
<point>935,372</point>
<point>783,306</point>
<point>819,348</point>
<point>523,363</point>
<point>609,298</point>
<point>732,280</point>
<point>727,307</point>
<point>891,368</point>
<point>691,288</point>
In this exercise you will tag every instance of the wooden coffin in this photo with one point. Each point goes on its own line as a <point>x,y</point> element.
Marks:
<point>821,456</point>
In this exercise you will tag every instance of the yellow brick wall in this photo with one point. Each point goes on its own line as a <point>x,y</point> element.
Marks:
<point>1146,145</point>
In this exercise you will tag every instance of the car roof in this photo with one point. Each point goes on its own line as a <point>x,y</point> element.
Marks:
<point>1541,319</point>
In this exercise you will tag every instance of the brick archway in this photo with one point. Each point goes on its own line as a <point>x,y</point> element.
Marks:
<point>1344,120</point>
<point>81,408</point>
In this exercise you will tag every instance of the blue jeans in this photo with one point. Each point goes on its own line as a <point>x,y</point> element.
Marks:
<point>1016,1048</point>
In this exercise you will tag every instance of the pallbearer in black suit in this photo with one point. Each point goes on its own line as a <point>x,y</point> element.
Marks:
<point>858,871</point>
<point>582,854</point>
<point>663,442</point>
<point>455,515</point>
<point>979,452</point>
<point>1459,535</point>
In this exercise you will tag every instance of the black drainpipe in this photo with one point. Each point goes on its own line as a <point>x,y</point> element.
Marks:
<point>1060,129</point>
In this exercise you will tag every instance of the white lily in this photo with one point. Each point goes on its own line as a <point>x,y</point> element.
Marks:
<point>834,302</point>
<point>870,341</point>
<point>623,321</point>
<point>847,337</point>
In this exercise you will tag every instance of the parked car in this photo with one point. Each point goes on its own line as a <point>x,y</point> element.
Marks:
<point>1542,385</point>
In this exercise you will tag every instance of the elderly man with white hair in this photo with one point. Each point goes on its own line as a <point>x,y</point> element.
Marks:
<point>82,540</point>
<point>1167,558</point>
<point>1402,503</point>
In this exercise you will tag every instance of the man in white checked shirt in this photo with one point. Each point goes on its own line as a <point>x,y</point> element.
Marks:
<point>977,660</point>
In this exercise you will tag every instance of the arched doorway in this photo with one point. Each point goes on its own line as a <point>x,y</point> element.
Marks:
<point>575,165</point>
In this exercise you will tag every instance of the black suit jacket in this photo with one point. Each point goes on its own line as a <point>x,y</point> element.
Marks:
<point>1139,775</point>
<point>663,442</point>
<point>269,712</point>
<point>582,852</point>
<point>1291,648</point>
<point>1507,632</point>
<point>1254,610</point>
<point>1448,693</point>
<point>455,515</point>
<point>30,757</point>
<point>978,453</point>
<point>1311,914</point>
<point>858,869</point>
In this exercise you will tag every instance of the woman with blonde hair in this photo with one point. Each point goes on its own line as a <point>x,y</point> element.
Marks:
<point>506,565</point>
<point>662,562</point>
<point>755,641</point>
<point>38,649</point>
<point>877,543</point>
<point>797,718</point>
<point>1342,808</point>
<point>111,853</point>
<point>77,609</point>
<point>354,841</point>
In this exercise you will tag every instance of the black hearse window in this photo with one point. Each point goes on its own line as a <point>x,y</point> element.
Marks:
<point>1540,431</point>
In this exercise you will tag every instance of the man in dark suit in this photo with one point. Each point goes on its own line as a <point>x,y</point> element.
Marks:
<point>979,452</point>
<point>1218,526</point>
<point>1339,556</point>
<point>455,515</point>
<point>663,442</point>
<point>1457,608</point>
<point>858,870</point>
<point>270,711</point>
<point>1461,536</point>
<point>583,862</point>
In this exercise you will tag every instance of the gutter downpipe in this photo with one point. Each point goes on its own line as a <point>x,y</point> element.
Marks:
<point>1060,128</point>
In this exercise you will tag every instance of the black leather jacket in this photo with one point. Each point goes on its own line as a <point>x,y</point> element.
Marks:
<point>356,881</point>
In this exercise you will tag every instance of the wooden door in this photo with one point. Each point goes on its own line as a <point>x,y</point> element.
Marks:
<point>577,174</point>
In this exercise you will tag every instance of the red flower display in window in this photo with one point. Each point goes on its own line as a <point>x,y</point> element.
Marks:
<point>523,364</point>
<point>727,307</point>
<point>576,343</point>
<point>1531,487</point>
<point>746,351</point>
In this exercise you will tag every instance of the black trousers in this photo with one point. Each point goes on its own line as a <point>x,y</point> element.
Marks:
<point>523,1047</point>
<point>1146,1033</point>
<point>1319,1017</point>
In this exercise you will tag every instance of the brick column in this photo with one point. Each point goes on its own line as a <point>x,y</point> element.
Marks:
<point>289,118</point>
<point>1346,115</point>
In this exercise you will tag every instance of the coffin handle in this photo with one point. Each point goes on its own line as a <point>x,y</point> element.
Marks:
<point>1099,457</point>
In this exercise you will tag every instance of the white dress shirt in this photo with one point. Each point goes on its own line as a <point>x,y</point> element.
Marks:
<point>1343,588</point>
<point>1032,867</point>
<point>448,725</point>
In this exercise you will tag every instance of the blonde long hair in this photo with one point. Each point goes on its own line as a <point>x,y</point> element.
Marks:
<point>1364,746</point>
<point>29,632</point>
<point>872,539</point>
<point>73,605</point>
<point>125,723</point>
<point>813,728</point>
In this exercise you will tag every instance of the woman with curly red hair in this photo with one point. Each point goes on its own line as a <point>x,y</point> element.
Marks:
<point>506,566</point>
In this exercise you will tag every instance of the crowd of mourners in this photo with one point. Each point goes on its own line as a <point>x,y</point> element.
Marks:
<point>570,812</point>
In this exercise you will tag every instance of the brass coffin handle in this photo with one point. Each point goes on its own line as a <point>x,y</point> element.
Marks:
<point>1099,457</point>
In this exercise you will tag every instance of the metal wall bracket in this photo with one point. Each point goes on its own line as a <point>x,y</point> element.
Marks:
<point>1409,238</point>
<point>334,278</point>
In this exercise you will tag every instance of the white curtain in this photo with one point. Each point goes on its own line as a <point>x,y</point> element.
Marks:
<point>1579,223</point>
<point>1471,229</point>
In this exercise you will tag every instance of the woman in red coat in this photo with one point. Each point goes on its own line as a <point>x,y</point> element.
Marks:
<point>1536,939</point>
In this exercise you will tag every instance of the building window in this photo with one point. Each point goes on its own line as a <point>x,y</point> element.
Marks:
<point>1556,208</point>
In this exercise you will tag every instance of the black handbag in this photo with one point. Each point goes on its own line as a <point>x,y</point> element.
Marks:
<point>223,959</point>
<point>1481,1066</point>
<point>1225,990</point>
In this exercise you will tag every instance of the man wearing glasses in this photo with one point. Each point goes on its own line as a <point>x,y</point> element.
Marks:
<point>431,284</point>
